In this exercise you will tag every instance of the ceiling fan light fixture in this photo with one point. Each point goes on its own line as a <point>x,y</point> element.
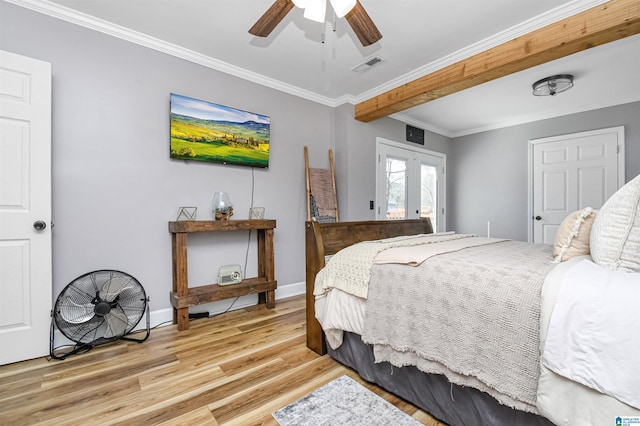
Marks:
<point>342,7</point>
<point>316,10</point>
<point>551,86</point>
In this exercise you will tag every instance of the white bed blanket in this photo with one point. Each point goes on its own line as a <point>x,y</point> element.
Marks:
<point>594,332</point>
<point>339,312</point>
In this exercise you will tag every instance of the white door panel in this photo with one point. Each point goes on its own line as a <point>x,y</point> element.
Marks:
<point>570,172</point>
<point>25,197</point>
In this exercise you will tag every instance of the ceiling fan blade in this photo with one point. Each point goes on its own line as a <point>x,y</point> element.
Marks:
<point>362,25</point>
<point>271,18</point>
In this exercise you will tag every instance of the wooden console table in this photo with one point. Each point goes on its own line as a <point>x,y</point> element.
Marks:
<point>182,296</point>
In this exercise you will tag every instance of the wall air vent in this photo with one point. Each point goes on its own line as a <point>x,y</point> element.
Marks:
<point>368,64</point>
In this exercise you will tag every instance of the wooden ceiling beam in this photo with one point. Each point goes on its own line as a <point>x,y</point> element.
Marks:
<point>610,21</point>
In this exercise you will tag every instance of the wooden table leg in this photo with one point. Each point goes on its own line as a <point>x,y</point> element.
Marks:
<point>266,265</point>
<point>180,277</point>
<point>271,299</point>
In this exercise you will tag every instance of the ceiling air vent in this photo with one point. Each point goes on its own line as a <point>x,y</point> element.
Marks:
<point>370,63</point>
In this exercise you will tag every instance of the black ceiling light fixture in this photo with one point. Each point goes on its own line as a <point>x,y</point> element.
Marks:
<point>551,86</point>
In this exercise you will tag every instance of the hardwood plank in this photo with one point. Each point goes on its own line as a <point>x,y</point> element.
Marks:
<point>613,20</point>
<point>189,401</point>
<point>233,369</point>
<point>241,362</point>
<point>200,417</point>
<point>254,397</point>
<point>60,405</point>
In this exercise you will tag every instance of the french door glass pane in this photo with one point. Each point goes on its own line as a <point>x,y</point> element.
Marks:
<point>429,193</point>
<point>396,195</point>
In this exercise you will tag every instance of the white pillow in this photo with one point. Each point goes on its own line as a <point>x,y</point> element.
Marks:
<point>615,236</point>
<point>573,235</point>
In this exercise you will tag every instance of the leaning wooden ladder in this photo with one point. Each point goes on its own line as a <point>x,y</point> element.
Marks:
<point>322,200</point>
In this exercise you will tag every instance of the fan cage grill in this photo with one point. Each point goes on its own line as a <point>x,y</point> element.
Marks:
<point>74,309</point>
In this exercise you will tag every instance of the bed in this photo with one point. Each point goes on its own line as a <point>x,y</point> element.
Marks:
<point>439,363</point>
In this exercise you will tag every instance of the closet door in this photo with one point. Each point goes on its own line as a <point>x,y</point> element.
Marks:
<point>25,207</point>
<point>571,172</point>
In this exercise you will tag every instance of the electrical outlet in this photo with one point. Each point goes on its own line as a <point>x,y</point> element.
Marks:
<point>371,205</point>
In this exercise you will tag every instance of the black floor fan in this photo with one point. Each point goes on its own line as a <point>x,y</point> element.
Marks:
<point>97,308</point>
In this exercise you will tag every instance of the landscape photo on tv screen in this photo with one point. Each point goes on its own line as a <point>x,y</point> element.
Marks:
<point>203,131</point>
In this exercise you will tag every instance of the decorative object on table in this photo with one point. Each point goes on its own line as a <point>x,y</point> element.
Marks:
<point>222,206</point>
<point>202,131</point>
<point>343,401</point>
<point>256,213</point>
<point>229,274</point>
<point>99,307</point>
<point>187,213</point>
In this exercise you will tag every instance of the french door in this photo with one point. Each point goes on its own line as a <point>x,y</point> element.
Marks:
<point>410,183</point>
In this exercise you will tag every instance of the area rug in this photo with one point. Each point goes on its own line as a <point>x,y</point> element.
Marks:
<point>342,401</point>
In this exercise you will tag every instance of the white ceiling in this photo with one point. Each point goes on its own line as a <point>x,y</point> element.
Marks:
<point>419,36</point>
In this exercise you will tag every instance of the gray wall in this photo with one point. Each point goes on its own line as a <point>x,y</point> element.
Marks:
<point>114,185</point>
<point>491,168</point>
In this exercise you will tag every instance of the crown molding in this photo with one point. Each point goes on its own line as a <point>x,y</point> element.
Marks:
<point>515,121</point>
<point>72,16</point>
<point>546,116</point>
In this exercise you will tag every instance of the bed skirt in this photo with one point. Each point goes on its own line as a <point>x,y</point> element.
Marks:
<point>449,403</point>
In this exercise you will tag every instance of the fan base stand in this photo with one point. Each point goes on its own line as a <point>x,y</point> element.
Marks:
<point>86,347</point>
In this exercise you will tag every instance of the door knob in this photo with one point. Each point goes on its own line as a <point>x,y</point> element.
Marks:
<point>538,217</point>
<point>39,225</point>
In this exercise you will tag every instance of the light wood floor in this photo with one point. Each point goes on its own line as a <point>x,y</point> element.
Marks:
<point>236,369</point>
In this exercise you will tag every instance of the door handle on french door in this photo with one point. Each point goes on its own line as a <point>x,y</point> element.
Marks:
<point>39,225</point>
<point>538,218</point>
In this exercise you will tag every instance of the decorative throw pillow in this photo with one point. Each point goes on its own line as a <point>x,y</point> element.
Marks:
<point>615,236</point>
<point>572,237</point>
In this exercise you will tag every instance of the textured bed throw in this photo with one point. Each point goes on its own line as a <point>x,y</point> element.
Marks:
<point>472,315</point>
<point>350,269</point>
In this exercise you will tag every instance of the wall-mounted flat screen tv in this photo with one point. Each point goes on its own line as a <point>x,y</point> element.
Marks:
<point>203,131</point>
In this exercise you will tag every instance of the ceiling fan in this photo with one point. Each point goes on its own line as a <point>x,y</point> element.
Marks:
<point>352,10</point>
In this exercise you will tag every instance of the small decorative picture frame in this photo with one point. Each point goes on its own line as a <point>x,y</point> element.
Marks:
<point>256,213</point>
<point>187,213</point>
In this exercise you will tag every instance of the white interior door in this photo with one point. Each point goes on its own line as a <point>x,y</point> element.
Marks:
<point>25,204</point>
<point>571,172</point>
<point>410,183</point>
